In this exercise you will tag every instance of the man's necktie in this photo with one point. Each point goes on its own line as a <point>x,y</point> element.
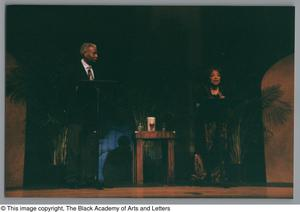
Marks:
<point>90,75</point>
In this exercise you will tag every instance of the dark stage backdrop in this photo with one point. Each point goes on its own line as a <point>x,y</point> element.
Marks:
<point>159,54</point>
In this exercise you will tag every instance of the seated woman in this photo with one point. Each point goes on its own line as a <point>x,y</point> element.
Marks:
<point>211,132</point>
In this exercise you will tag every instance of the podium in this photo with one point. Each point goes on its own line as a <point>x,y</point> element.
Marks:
<point>91,108</point>
<point>90,94</point>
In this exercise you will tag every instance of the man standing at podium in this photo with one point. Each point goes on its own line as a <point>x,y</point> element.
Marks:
<point>89,55</point>
<point>82,146</point>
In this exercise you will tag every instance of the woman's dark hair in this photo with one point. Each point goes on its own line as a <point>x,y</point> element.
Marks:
<point>211,69</point>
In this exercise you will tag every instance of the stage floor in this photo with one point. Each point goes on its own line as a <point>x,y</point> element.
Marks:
<point>159,192</point>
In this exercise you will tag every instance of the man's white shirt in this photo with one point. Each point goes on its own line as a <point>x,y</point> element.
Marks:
<point>87,67</point>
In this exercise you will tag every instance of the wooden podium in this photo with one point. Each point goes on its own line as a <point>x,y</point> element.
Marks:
<point>90,95</point>
<point>141,138</point>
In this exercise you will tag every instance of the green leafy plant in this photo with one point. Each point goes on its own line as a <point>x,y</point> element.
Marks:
<point>21,89</point>
<point>273,110</point>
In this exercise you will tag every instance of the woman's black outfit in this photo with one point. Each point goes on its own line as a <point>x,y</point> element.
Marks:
<point>211,135</point>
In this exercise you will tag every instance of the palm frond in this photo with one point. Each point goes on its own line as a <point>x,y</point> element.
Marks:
<point>276,111</point>
<point>270,94</point>
<point>16,85</point>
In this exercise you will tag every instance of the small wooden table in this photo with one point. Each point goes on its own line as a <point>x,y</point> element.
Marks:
<point>144,136</point>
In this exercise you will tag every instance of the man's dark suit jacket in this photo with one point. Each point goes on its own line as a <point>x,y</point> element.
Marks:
<point>79,100</point>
